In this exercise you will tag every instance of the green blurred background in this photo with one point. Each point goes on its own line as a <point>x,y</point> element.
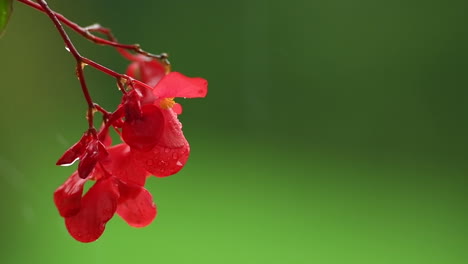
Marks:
<point>333,132</point>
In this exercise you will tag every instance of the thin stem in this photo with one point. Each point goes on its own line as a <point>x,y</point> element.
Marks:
<point>78,58</point>
<point>115,74</point>
<point>122,79</point>
<point>86,32</point>
<point>102,110</point>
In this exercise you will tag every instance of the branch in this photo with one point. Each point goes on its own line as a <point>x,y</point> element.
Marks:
<point>111,41</point>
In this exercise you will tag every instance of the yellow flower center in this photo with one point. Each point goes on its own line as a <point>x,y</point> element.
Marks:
<point>167,103</point>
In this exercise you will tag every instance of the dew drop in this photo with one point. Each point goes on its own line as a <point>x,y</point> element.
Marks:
<point>174,155</point>
<point>179,163</point>
<point>67,49</point>
<point>167,150</point>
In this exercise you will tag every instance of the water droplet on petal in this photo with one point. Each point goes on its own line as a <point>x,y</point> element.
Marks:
<point>167,150</point>
<point>179,164</point>
<point>174,155</point>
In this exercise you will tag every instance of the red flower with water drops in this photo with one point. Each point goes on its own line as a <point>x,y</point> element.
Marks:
<point>153,143</point>
<point>119,188</point>
<point>169,150</point>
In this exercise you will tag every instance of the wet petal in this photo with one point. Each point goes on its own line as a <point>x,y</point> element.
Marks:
<point>177,108</point>
<point>178,85</point>
<point>75,151</point>
<point>97,208</point>
<point>144,132</point>
<point>170,153</point>
<point>122,165</point>
<point>67,197</point>
<point>137,210</point>
<point>94,152</point>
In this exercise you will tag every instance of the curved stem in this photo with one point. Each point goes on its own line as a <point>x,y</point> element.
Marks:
<point>78,58</point>
<point>103,111</point>
<point>112,41</point>
<point>81,61</point>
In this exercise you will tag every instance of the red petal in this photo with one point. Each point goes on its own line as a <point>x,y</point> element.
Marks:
<point>104,136</point>
<point>67,197</point>
<point>171,152</point>
<point>71,155</point>
<point>143,133</point>
<point>87,164</point>
<point>177,108</point>
<point>133,70</point>
<point>122,165</point>
<point>75,151</point>
<point>94,152</point>
<point>149,72</point>
<point>97,208</point>
<point>152,72</point>
<point>132,105</point>
<point>178,85</point>
<point>146,95</point>
<point>137,210</point>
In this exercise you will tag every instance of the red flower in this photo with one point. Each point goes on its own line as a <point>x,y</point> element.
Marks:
<point>118,188</point>
<point>153,144</point>
<point>167,152</point>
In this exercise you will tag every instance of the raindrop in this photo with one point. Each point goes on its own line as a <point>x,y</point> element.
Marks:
<point>174,155</point>
<point>67,49</point>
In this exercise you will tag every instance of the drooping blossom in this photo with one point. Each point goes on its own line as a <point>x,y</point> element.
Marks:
<point>171,150</point>
<point>118,188</point>
<point>153,143</point>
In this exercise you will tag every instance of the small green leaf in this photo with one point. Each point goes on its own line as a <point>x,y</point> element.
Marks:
<point>6,8</point>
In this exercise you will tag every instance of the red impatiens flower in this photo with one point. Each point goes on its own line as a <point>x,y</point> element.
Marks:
<point>154,144</point>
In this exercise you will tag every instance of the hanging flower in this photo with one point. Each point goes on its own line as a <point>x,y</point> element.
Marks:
<point>153,144</point>
<point>168,150</point>
<point>118,188</point>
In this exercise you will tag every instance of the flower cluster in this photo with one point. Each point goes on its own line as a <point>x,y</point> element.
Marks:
<point>152,144</point>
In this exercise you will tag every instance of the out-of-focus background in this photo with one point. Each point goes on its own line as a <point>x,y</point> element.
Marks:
<point>333,132</point>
